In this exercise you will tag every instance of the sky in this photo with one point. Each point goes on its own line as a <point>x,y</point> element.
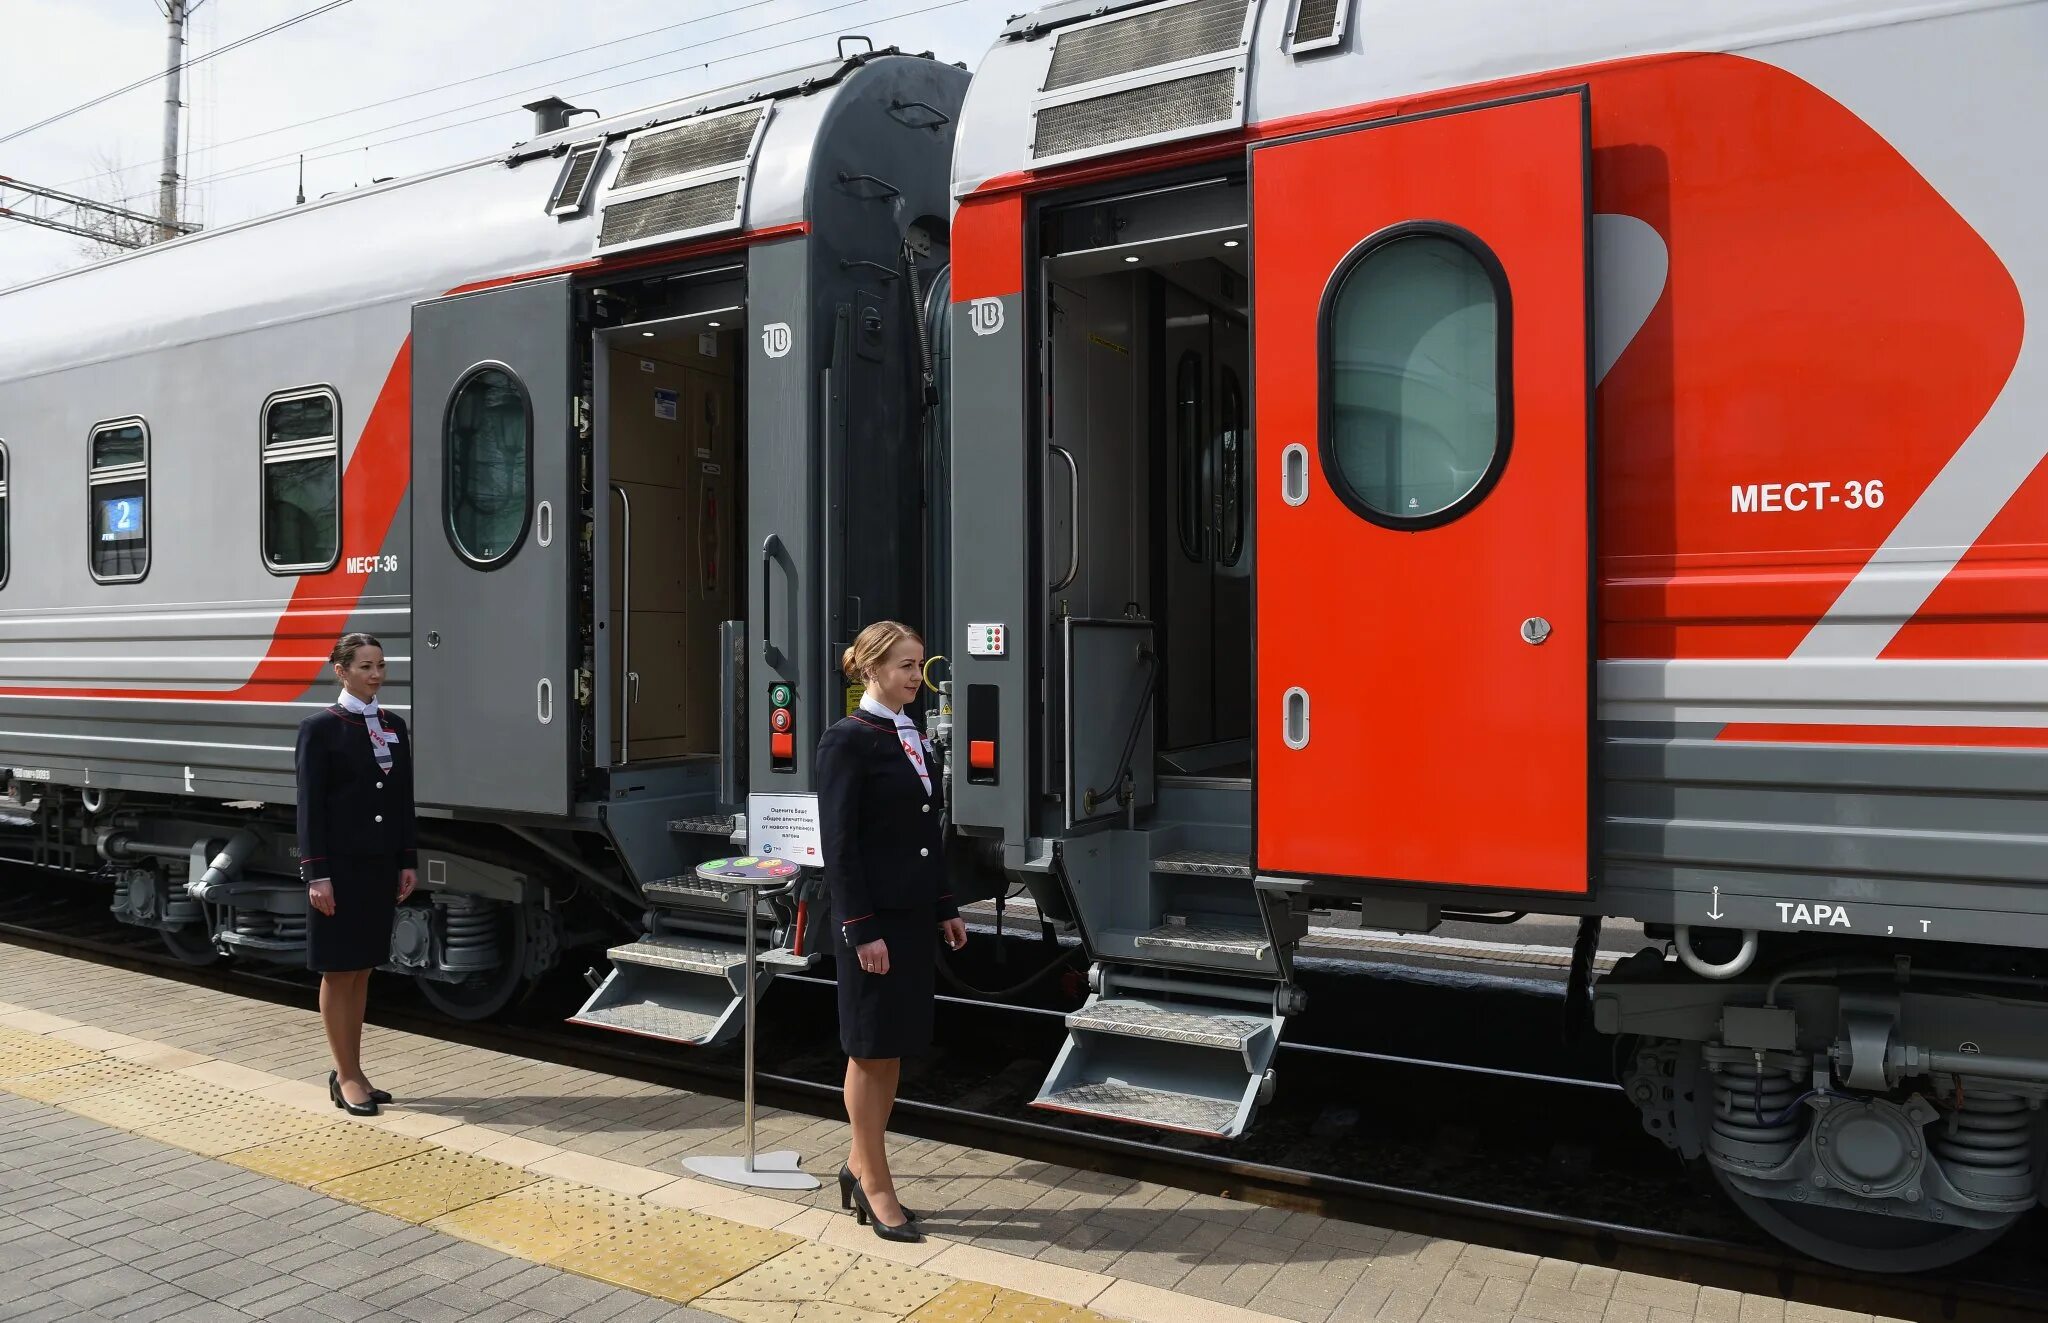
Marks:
<point>333,68</point>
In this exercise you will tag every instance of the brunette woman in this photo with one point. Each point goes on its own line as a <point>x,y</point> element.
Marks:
<point>356,853</point>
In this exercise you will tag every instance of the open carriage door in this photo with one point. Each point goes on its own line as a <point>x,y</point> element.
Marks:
<point>1424,645</point>
<point>493,529</point>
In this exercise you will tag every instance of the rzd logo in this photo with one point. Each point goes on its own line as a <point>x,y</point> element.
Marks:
<point>985,316</point>
<point>775,339</point>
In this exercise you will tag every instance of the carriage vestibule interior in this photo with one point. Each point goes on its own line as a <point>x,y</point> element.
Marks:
<point>673,436</point>
<point>1148,493</point>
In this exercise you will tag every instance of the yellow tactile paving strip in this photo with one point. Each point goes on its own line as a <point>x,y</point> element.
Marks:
<point>747,1273</point>
<point>545,1220</point>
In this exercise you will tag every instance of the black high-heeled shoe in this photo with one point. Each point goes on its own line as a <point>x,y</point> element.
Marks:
<point>341,1101</point>
<point>379,1097</point>
<point>848,1183</point>
<point>905,1231</point>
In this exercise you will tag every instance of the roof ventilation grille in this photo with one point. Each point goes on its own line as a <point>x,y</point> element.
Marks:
<point>1318,25</point>
<point>707,206</point>
<point>699,144</point>
<point>572,187</point>
<point>1158,110</point>
<point>1146,40</point>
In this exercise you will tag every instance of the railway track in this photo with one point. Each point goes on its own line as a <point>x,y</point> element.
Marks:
<point>1542,1163</point>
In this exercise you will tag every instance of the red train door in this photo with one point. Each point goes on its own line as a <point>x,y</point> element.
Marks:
<point>1423,402</point>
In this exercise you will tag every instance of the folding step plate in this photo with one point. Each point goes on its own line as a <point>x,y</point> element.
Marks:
<point>1193,1066</point>
<point>677,989</point>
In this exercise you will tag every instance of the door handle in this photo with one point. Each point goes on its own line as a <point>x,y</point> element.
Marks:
<point>544,701</point>
<point>771,550</point>
<point>1294,718</point>
<point>1294,474</point>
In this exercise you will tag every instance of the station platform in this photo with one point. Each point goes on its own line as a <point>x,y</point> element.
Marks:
<point>190,1165</point>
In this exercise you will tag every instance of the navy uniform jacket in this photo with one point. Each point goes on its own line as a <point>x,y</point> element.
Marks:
<point>347,804</point>
<point>884,845</point>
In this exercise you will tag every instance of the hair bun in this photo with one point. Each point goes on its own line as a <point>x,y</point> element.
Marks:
<point>847,665</point>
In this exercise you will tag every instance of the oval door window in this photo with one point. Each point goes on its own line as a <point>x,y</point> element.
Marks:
<point>487,442</point>
<point>1416,420</point>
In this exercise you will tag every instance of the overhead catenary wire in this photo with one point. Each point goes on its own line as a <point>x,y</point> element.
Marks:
<point>315,154</point>
<point>158,76</point>
<point>508,69</point>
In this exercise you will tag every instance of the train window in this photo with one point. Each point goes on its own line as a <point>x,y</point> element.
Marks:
<point>1187,448</point>
<point>1416,418</point>
<point>117,500</point>
<point>301,480</point>
<point>488,448</point>
<point>3,514</point>
<point>1230,461</point>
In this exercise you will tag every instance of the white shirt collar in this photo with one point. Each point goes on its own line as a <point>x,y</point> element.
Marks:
<point>350,703</point>
<point>875,707</point>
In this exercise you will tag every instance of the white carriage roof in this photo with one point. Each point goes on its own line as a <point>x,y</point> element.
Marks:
<point>425,235</point>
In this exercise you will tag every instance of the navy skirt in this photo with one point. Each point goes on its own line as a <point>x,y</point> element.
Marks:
<point>358,934</point>
<point>882,1016</point>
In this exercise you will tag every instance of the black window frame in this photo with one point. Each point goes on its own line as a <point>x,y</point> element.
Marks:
<point>518,542</point>
<point>93,482</point>
<point>1504,381</point>
<point>264,460</point>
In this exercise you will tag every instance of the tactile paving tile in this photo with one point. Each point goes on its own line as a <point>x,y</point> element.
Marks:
<point>428,1185</point>
<point>676,1255</point>
<point>104,1075</point>
<point>328,1154</point>
<point>147,1102</point>
<point>818,1273</point>
<point>546,1219</point>
<point>216,1132</point>
<point>31,1054</point>
<point>976,1302</point>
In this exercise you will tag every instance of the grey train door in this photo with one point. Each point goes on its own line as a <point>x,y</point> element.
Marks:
<point>493,515</point>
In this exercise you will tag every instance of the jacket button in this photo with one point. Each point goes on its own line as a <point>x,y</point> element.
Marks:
<point>926,809</point>
<point>380,785</point>
<point>378,818</point>
<point>924,852</point>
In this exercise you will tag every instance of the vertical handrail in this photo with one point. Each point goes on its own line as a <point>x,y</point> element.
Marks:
<point>625,628</point>
<point>1073,517</point>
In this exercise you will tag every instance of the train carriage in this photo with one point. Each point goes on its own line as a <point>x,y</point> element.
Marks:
<point>1576,459</point>
<point>548,424</point>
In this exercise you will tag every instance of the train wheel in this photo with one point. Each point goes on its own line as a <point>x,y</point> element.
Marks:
<point>191,946</point>
<point>482,996</point>
<point>1863,1242</point>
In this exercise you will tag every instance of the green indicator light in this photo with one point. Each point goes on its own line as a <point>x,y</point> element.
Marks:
<point>779,695</point>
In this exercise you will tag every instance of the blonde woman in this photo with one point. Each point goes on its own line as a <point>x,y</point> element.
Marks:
<point>880,790</point>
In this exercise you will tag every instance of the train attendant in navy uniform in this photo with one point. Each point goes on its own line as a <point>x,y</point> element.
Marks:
<point>881,803</point>
<point>356,853</point>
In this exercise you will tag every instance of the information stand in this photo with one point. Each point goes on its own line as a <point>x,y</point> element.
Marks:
<point>767,1171</point>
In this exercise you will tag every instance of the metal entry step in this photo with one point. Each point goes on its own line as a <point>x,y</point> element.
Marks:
<point>683,890</point>
<point>680,989</point>
<point>1194,1060</point>
<point>1204,863</point>
<point>695,955</point>
<point>1116,1100</point>
<point>721,825</point>
<point>1134,1018</point>
<point>1217,936</point>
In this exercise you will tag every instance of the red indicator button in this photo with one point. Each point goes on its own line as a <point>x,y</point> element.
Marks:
<point>781,719</point>
<point>981,755</point>
<point>783,747</point>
